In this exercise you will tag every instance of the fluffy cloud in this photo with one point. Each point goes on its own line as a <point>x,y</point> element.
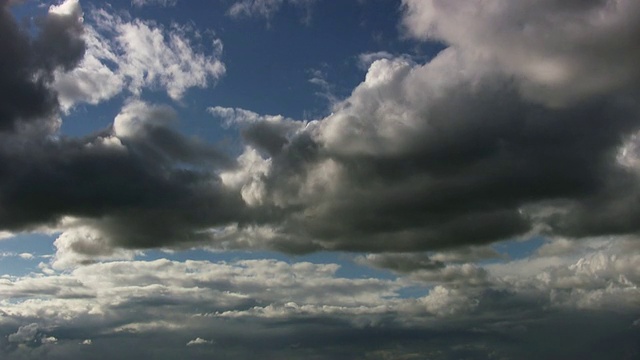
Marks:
<point>132,54</point>
<point>420,157</point>
<point>506,133</point>
<point>98,190</point>
<point>365,60</point>
<point>529,40</point>
<point>26,333</point>
<point>442,154</point>
<point>299,307</point>
<point>472,147</point>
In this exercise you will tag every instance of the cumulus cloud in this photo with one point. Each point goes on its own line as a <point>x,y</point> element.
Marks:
<point>98,190</point>
<point>461,150</point>
<point>447,154</point>
<point>132,54</point>
<point>506,133</point>
<point>300,307</point>
<point>529,40</point>
<point>26,333</point>
<point>366,59</point>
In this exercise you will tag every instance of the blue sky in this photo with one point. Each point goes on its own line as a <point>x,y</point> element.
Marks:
<point>318,179</point>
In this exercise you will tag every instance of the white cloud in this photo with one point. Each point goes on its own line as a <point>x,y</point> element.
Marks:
<point>529,39</point>
<point>23,256</point>
<point>93,80</point>
<point>84,244</point>
<point>199,341</point>
<point>263,8</point>
<point>366,59</point>
<point>26,256</point>
<point>135,115</point>
<point>134,55</point>
<point>165,3</point>
<point>49,340</point>
<point>185,298</point>
<point>327,91</point>
<point>25,333</point>
<point>67,7</point>
<point>247,178</point>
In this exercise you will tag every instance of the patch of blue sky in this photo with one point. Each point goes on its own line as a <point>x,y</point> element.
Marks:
<point>39,246</point>
<point>519,249</point>
<point>348,267</point>
<point>414,291</point>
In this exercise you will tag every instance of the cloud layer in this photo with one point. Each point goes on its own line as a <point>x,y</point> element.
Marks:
<point>472,147</point>
<point>526,125</point>
<point>301,308</point>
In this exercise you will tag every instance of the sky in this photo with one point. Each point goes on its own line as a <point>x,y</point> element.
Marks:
<point>320,179</point>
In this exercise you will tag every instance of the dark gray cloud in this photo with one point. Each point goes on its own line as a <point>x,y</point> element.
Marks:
<point>402,263</point>
<point>419,157</point>
<point>464,169</point>
<point>476,146</point>
<point>27,69</point>
<point>139,183</point>
<point>148,187</point>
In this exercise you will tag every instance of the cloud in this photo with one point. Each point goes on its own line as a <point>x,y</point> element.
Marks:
<point>421,157</point>
<point>264,8</point>
<point>98,190</point>
<point>461,150</point>
<point>23,256</point>
<point>528,40</point>
<point>300,308</point>
<point>133,54</point>
<point>424,167</point>
<point>164,3</point>
<point>26,333</point>
<point>423,268</point>
<point>26,75</point>
<point>199,341</point>
<point>366,59</point>
<point>49,340</point>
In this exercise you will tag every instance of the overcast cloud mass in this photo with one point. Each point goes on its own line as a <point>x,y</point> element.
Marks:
<point>523,127</point>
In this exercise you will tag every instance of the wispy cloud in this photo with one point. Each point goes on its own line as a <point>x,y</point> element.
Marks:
<point>165,3</point>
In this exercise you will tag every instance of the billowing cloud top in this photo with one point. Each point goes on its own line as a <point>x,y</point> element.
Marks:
<point>504,133</point>
<point>525,124</point>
